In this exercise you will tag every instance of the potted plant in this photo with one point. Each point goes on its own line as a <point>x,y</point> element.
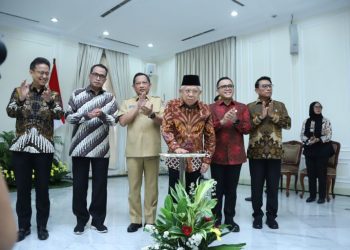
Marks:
<point>188,223</point>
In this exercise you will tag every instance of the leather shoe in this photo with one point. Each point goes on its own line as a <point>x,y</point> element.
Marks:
<point>233,227</point>
<point>22,233</point>
<point>43,234</point>
<point>257,223</point>
<point>310,199</point>
<point>272,224</point>
<point>321,201</point>
<point>133,227</point>
<point>248,198</point>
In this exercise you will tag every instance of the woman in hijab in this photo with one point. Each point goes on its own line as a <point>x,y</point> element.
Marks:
<point>316,134</point>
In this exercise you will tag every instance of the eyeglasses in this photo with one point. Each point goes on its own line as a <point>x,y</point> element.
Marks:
<point>97,75</point>
<point>228,86</point>
<point>266,86</point>
<point>42,73</point>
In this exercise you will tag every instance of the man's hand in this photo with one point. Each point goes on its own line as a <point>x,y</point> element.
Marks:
<point>23,90</point>
<point>270,111</point>
<point>47,95</point>
<point>230,115</point>
<point>95,113</point>
<point>181,151</point>
<point>264,111</point>
<point>204,168</point>
<point>142,100</point>
<point>147,108</point>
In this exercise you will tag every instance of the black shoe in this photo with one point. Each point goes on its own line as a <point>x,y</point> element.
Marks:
<point>248,199</point>
<point>233,227</point>
<point>43,234</point>
<point>272,224</point>
<point>133,227</point>
<point>22,233</point>
<point>321,201</point>
<point>310,199</point>
<point>257,223</point>
<point>79,229</point>
<point>99,227</point>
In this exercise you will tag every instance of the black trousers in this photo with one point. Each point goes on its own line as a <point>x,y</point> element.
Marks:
<point>227,177</point>
<point>98,205</point>
<point>174,176</point>
<point>262,170</point>
<point>317,169</point>
<point>23,164</point>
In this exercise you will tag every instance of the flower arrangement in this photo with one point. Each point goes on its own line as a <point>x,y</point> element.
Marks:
<point>188,223</point>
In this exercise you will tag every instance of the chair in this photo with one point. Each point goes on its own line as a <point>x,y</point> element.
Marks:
<point>290,163</point>
<point>331,172</point>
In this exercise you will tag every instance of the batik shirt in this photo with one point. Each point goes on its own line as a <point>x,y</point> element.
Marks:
<point>90,135</point>
<point>265,138</point>
<point>229,137</point>
<point>190,128</point>
<point>34,120</point>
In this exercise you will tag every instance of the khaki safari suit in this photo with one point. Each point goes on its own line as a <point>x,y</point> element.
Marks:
<point>142,156</point>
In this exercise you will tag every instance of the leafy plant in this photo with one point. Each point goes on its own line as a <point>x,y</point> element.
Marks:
<point>186,221</point>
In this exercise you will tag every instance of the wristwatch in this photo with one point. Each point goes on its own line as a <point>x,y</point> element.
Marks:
<point>152,115</point>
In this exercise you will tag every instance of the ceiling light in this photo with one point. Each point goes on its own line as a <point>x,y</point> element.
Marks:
<point>150,45</point>
<point>234,13</point>
<point>54,20</point>
<point>105,33</point>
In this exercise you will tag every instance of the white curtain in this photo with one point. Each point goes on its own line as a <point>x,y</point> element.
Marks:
<point>87,56</point>
<point>118,65</point>
<point>210,62</point>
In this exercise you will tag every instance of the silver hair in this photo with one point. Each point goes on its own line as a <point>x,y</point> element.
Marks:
<point>198,87</point>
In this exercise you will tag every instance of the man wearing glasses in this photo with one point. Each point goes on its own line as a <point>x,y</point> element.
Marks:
<point>91,111</point>
<point>231,122</point>
<point>268,118</point>
<point>35,107</point>
<point>188,128</point>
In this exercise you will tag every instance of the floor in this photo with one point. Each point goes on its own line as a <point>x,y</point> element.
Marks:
<point>302,225</point>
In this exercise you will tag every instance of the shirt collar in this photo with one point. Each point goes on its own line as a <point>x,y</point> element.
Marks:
<point>137,97</point>
<point>34,89</point>
<point>221,102</point>
<point>259,101</point>
<point>196,105</point>
<point>89,89</point>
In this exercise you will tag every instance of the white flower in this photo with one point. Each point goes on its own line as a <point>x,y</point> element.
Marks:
<point>165,234</point>
<point>180,248</point>
<point>156,246</point>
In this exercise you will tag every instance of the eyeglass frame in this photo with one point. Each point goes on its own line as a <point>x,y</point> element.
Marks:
<point>97,75</point>
<point>227,86</point>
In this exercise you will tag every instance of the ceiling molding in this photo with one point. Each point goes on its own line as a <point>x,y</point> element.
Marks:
<point>199,34</point>
<point>19,17</point>
<point>125,43</point>
<point>115,8</point>
<point>238,2</point>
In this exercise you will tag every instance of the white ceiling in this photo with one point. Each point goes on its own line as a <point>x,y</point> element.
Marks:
<point>161,22</point>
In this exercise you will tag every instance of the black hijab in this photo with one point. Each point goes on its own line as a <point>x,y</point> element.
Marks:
<point>317,119</point>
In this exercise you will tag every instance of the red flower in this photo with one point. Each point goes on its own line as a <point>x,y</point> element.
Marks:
<point>187,230</point>
<point>207,219</point>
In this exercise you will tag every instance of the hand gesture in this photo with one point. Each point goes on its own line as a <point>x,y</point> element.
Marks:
<point>142,100</point>
<point>147,108</point>
<point>95,113</point>
<point>23,90</point>
<point>181,151</point>
<point>264,110</point>
<point>230,115</point>
<point>270,111</point>
<point>47,95</point>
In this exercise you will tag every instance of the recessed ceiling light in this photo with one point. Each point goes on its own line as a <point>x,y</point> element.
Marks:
<point>150,45</point>
<point>234,13</point>
<point>105,33</point>
<point>54,20</point>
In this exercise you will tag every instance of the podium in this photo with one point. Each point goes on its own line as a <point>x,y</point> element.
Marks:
<point>182,158</point>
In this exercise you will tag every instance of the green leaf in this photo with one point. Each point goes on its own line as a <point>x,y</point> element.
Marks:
<point>228,247</point>
<point>168,203</point>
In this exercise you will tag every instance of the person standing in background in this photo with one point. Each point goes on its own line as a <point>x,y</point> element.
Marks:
<point>316,134</point>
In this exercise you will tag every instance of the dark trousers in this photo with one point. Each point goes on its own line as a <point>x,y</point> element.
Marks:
<point>227,177</point>
<point>97,209</point>
<point>262,170</point>
<point>174,176</point>
<point>23,164</point>
<point>317,168</point>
